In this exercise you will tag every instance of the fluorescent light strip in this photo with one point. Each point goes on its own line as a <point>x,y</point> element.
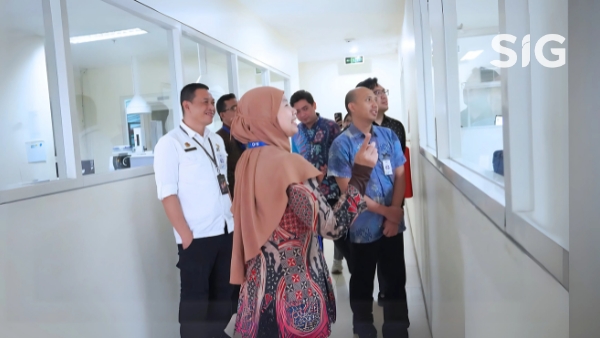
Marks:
<point>472,55</point>
<point>107,36</point>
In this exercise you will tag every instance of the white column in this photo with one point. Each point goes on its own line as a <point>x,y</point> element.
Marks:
<point>584,166</point>
<point>176,65</point>
<point>234,80</point>
<point>62,89</point>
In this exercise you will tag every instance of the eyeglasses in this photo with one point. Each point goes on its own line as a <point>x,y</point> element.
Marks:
<point>232,109</point>
<point>378,92</point>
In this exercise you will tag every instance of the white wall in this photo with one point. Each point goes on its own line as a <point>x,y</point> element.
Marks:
<point>481,283</point>
<point>477,282</point>
<point>248,77</point>
<point>96,262</point>
<point>24,109</point>
<point>330,81</point>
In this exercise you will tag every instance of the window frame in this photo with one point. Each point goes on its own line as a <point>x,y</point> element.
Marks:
<point>428,102</point>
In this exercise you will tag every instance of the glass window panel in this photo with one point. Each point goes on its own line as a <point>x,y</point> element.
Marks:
<point>122,86</point>
<point>208,66</point>
<point>480,93</point>
<point>249,76</point>
<point>429,128</point>
<point>277,81</point>
<point>26,131</point>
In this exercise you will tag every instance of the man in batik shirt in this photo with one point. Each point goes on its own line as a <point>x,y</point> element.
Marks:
<point>313,140</point>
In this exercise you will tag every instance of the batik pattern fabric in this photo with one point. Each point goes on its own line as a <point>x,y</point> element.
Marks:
<point>288,291</point>
<point>397,127</point>
<point>313,144</point>
<point>369,225</point>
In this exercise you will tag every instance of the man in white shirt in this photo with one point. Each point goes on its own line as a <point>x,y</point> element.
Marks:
<point>190,165</point>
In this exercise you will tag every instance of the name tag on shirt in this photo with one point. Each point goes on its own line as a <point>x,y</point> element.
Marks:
<point>222,161</point>
<point>387,166</point>
<point>190,149</point>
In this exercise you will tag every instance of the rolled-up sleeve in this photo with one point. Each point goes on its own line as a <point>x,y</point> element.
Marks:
<point>166,168</point>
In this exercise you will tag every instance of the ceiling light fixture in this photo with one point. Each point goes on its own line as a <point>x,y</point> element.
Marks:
<point>472,55</point>
<point>137,105</point>
<point>107,36</point>
<point>354,50</point>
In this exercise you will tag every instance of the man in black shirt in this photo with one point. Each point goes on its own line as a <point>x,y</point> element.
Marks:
<point>381,96</point>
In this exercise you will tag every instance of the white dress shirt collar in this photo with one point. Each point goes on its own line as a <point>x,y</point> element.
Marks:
<point>192,133</point>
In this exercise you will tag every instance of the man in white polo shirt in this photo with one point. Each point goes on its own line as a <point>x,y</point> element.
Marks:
<point>190,164</point>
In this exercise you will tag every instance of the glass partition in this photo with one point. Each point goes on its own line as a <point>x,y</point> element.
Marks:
<point>480,92</point>
<point>277,81</point>
<point>122,84</point>
<point>206,65</point>
<point>26,132</point>
<point>249,76</point>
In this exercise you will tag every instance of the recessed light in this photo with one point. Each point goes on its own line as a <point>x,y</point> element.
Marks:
<point>107,36</point>
<point>354,50</point>
<point>472,55</point>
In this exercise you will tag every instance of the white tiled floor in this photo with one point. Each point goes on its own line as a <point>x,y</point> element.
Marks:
<point>419,327</point>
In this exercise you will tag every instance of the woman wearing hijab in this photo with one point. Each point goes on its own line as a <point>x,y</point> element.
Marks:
<point>286,289</point>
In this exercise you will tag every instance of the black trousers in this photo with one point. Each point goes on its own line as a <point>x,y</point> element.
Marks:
<point>387,253</point>
<point>380,276</point>
<point>205,307</point>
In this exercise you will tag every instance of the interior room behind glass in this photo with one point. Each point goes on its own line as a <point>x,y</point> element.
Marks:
<point>479,88</point>
<point>108,74</point>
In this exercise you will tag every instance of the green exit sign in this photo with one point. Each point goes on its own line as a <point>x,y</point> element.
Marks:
<point>354,59</point>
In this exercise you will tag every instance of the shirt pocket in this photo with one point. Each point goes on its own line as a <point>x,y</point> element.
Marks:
<point>191,168</point>
<point>385,151</point>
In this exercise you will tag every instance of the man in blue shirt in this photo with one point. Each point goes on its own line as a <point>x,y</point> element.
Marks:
<point>376,235</point>
<point>381,96</point>
<point>313,140</point>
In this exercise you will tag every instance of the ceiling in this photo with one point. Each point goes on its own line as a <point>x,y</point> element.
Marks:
<point>319,28</point>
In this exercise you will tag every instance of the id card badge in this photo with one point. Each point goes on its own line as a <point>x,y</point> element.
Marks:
<point>387,166</point>
<point>223,184</point>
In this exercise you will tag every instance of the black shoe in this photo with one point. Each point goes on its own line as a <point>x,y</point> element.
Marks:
<point>366,332</point>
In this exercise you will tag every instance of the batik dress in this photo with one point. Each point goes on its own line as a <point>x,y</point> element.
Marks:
<point>288,291</point>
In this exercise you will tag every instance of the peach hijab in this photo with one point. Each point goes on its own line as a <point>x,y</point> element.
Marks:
<point>262,175</point>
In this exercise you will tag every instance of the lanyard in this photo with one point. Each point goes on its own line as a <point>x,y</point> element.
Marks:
<point>212,158</point>
<point>256,144</point>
